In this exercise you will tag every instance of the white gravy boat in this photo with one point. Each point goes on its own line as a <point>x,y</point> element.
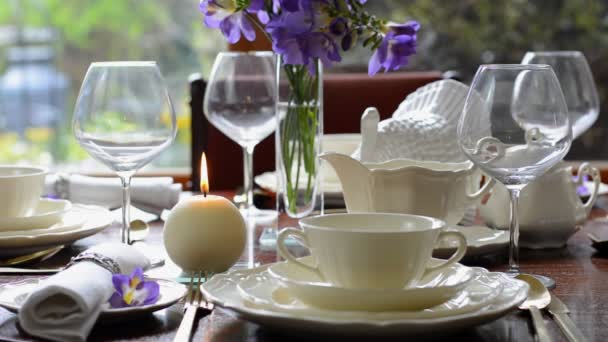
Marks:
<point>427,188</point>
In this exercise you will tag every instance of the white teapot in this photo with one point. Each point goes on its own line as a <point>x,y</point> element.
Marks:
<point>550,210</point>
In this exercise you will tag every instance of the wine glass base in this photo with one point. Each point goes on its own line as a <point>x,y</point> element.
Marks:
<point>259,216</point>
<point>268,238</point>
<point>549,283</point>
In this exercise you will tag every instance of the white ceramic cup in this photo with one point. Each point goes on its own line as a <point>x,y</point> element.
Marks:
<point>20,189</point>
<point>371,250</point>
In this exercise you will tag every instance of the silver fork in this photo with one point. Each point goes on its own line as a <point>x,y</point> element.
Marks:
<point>193,302</point>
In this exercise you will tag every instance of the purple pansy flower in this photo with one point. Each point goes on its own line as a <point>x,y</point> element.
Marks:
<point>133,290</point>
<point>233,21</point>
<point>397,45</point>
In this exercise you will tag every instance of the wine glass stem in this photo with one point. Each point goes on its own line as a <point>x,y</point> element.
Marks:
<point>514,233</point>
<point>125,232</point>
<point>248,175</point>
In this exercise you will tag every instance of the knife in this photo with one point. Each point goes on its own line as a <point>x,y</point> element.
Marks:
<point>560,311</point>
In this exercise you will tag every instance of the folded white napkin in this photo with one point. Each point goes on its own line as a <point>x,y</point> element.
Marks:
<point>66,305</point>
<point>151,194</point>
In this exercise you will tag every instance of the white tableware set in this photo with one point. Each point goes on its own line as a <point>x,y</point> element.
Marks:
<point>411,163</point>
<point>29,223</point>
<point>368,274</point>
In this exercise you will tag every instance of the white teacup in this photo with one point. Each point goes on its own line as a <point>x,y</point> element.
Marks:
<point>371,250</point>
<point>20,189</point>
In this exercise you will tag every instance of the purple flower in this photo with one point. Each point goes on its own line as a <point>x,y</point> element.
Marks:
<point>582,190</point>
<point>297,5</point>
<point>397,45</point>
<point>231,20</point>
<point>349,40</point>
<point>301,36</point>
<point>290,5</point>
<point>338,26</point>
<point>133,290</point>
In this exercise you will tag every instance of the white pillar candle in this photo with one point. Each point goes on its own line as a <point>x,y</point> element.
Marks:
<point>206,232</point>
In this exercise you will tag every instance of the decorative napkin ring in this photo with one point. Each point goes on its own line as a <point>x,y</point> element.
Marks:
<point>99,259</point>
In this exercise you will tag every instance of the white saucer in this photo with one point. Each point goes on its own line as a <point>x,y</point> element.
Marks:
<point>47,213</point>
<point>488,297</point>
<point>80,222</point>
<point>480,240</point>
<point>434,289</point>
<point>12,296</point>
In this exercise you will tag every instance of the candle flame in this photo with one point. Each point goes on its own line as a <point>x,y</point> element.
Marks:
<point>204,176</point>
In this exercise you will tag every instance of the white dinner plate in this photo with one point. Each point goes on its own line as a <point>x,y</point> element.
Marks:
<point>79,222</point>
<point>268,181</point>
<point>292,317</point>
<point>47,213</point>
<point>332,190</point>
<point>481,240</point>
<point>433,289</point>
<point>13,295</point>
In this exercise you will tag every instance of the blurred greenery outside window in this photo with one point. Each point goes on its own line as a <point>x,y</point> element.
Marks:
<point>76,33</point>
<point>455,36</point>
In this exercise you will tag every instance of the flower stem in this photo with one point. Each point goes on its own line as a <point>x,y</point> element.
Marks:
<point>299,129</point>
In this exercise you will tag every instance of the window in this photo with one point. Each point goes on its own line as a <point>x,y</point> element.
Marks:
<point>46,47</point>
<point>460,35</point>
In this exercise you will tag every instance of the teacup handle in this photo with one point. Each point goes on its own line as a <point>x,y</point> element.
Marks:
<point>460,251</point>
<point>586,169</point>
<point>286,254</point>
<point>487,186</point>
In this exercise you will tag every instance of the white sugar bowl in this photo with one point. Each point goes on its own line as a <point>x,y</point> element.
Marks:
<point>440,190</point>
<point>550,210</point>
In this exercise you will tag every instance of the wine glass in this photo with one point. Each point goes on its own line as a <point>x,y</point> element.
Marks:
<point>515,126</point>
<point>124,118</point>
<point>240,101</point>
<point>576,82</point>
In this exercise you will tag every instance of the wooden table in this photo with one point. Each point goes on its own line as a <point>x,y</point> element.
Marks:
<point>581,274</point>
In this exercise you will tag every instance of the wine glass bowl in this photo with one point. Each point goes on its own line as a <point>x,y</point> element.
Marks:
<point>240,101</point>
<point>514,127</point>
<point>124,118</point>
<point>521,129</point>
<point>577,85</point>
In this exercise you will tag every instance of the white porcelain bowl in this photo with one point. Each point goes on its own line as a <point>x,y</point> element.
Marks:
<point>20,189</point>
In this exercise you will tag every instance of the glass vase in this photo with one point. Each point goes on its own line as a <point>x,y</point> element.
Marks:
<point>298,136</point>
